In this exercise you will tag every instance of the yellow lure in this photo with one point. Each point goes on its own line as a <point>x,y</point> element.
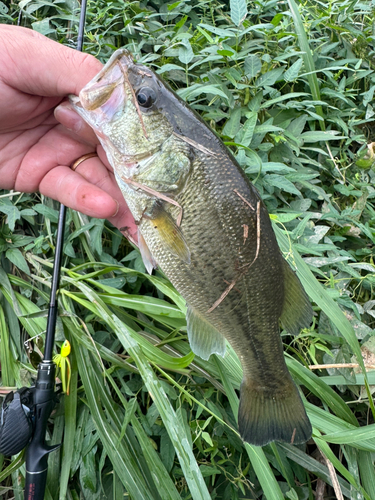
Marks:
<point>62,361</point>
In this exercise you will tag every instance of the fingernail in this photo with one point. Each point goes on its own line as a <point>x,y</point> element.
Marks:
<point>117,209</point>
<point>66,115</point>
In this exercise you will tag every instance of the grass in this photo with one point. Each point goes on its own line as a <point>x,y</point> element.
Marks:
<point>289,88</point>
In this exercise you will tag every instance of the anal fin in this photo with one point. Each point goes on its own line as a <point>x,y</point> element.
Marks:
<point>297,312</point>
<point>148,259</point>
<point>204,339</point>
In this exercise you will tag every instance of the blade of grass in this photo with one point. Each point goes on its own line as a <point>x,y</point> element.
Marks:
<point>341,380</point>
<point>70,430</point>
<point>166,487</point>
<point>367,472</point>
<point>313,466</point>
<point>256,455</point>
<point>54,460</point>
<point>124,463</point>
<point>355,437</point>
<point>12,467</point>
<point>172,424</point>
<point>326,450</point>
<point>317,293</point>
<point>152,352</point>
<point>320,389</point>
<point>307,57</point>
<point>7,363</point>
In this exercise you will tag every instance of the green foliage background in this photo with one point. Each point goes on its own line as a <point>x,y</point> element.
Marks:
<point>289,87</point>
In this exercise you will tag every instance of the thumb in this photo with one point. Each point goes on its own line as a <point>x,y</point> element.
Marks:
<point>34,64</point>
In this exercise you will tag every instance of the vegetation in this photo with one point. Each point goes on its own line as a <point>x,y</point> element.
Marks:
<point>289,87</point>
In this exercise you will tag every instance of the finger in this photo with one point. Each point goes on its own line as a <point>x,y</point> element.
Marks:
<point>71,189</point>
<point>24,55</point>
<point>55,147</point>
<point>103,157</point>
<point>65,114</point>
<point>97,174</point>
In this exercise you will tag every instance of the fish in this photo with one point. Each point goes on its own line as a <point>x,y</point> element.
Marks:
<point>204,224</point>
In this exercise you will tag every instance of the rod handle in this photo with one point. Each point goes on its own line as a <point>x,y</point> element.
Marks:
<point>35,485</point>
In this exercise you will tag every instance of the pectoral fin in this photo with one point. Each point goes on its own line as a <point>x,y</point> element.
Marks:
<point>171,237</point>
<point>148,259</point>
<point>204,339</point>
<point>297,312</point>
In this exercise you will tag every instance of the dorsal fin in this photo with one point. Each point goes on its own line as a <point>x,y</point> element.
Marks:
<point>297,312</point>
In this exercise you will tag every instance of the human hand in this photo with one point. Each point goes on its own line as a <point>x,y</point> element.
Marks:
<point>36,151</point>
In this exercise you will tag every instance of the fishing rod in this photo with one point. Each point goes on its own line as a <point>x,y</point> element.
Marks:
<point>25,413</point>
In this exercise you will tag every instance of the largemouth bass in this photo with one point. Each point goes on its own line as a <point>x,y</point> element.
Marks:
<point>204,224</point>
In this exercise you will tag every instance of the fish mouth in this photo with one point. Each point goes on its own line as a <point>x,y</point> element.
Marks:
<point>103,98</point>
<point>104,90</point>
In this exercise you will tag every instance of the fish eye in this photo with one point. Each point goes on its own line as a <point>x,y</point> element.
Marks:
<point>146,97</point>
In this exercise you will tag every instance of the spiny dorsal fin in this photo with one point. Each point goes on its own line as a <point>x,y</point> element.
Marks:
<point>203,337</point>
<point>297,312</point>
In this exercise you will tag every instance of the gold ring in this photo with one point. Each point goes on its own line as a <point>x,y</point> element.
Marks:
<point>82,159</point>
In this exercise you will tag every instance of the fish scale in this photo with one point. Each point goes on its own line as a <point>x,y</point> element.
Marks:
<point>223,257</point>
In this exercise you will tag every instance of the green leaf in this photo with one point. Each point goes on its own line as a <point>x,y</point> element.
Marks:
<point>3,8</point>
<point>306,56</point>
<point>269,78</point>
<point>185,52</point>
<point>7,362</point>
<point>27,211</point>
<point>49,213</point>
<point>367,472</point>
<point>43,27</point>
<point>69,431</point>
<point>296,126</point>
<point>284,217</point>
<point>292,72</point>
<point>226,33</point>
<point>284,97</point>
<point>248,128</point>
<point>329,135</point>
<point>281,183</point>
<point>233,124</point>
<point>16,257</point>
<point>238,11</point>
<point>270,167</point>
<point>13,214</point>
<point>252,66</point>
<point>169,67</point>
<point>196,90</point>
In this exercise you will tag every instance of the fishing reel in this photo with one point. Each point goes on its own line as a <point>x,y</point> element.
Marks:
<point>16,421</point>
<point>18,418</point>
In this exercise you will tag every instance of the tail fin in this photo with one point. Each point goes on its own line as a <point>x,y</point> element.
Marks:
<point>274,414</point>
